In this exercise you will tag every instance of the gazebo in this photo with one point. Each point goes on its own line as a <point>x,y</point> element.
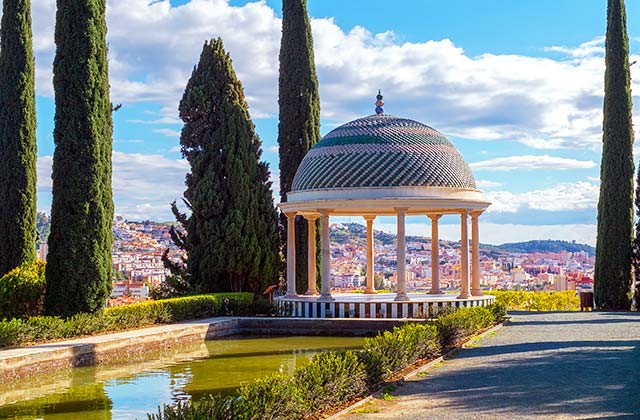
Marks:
<point>382,165</point>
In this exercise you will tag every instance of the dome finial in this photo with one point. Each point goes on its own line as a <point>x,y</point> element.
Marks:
<point>379,103</point>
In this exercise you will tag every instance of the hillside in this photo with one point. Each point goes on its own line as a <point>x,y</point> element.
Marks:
<point>547,246</point>
<point>356,233</point>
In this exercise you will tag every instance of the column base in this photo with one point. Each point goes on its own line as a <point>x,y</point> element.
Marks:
<point>477,292</point>
<point>326,298</point>
<point>435,292</point>
<point>370,292</point>
<point>401,297</point>
<point>311,293</point>
<point>290,295</point>
<point>464,295</point>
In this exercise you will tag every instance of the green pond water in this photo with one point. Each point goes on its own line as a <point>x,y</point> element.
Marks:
<point>130,391</point>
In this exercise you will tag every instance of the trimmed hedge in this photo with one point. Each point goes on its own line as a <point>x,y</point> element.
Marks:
<point>333,378</point>
<point>15,332</point>
<point>22,291</point>
<point>537,301</point>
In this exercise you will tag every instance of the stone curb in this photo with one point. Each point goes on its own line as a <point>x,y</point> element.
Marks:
<point>416,371</point>
<point>43,358</point>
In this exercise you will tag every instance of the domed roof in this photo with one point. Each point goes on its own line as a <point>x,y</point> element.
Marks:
<point>383,151</point>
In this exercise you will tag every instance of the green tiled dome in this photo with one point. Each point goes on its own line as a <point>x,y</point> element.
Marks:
<point>383,151</point>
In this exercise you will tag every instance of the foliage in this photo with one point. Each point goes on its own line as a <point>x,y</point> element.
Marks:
<point>615,207</point>
<point>17,138</point>
<point>333,378</point>
<point>275,397</point>
<point>22,291</point>
<point>547,246</point>
<point>391,351</point>
<point>330,379</point>
<point>537,301</point>
<point>14,332</point>
<point>299,117</point>
<point>465,322</point>
<point>174,286</point>
<point>231,234</point>
<point>79,259</point>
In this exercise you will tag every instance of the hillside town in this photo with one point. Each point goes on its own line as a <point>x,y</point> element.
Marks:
<point>138,266</point>
<point>500,269</point>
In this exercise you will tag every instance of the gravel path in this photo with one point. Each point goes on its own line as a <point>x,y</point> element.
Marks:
<point>540,366</point>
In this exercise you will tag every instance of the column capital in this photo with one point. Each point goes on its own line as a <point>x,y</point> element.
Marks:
<point>369,217</point>
<point>324,212</point>
<point>434,217</point>
<point>464,212</point>
<point>290,214</point>
<point>475,213</point>
<point>312,217</point>
<point>401,210</point>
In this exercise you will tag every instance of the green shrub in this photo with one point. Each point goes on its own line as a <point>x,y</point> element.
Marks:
<point>333,378</point>
<point>537,301</point>
<point>330,379</point>
<point>10,332</point>
<point>209,407</point>
<point>22,291</point>
<point>275,397</point>
<point>464,322</point>
<point>45,328</point>
<point>391,351</point>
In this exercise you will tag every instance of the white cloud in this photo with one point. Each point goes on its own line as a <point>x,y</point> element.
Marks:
<point>143,185</point>
<point>494,233</point>
<point>545,162</point>
<point>167,132</point>
<point>591,48</point>
<point>485,183</point>
<point>563,197</point>
<point>273,149</point>
<point>545,103</point>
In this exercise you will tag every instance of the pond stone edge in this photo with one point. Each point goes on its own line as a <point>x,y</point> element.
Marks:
<point>32,361</point>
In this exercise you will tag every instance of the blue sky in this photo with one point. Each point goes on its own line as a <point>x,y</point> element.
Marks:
<point>516,85</point>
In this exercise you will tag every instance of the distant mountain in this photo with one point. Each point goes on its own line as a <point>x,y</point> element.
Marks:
<point>547,246</point>
<point>356,234</point>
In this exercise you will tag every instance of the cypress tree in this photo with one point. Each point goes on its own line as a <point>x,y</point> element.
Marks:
<point>615,207</point>
<point>231,234</point>
<point>17,137</point>
<point>299,124</point>
<point>79,260</point>
<point>636,245</point>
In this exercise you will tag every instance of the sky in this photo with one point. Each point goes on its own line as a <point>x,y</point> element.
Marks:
<point>517,86</point>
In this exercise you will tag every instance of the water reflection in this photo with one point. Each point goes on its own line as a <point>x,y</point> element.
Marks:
<point>129,391</point>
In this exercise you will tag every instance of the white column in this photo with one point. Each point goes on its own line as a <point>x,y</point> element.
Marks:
<point>464,257</point>
<point>435,255</point>
<point>401,290</point>
<point>370,288</point>
<point>312,289</point>
<point>291,255</point>
<point>326,257</point>
<point>475,255</point>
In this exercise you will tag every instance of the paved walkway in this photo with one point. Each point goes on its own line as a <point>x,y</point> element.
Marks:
<point>540,366</point>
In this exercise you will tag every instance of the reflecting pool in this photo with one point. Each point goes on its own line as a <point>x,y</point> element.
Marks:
<point>130,391</point>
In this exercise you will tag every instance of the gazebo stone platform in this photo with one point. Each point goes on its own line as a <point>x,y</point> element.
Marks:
<point>380,305</point>
<point>382,165</point>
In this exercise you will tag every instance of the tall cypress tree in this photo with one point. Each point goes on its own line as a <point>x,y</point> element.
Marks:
<point>636,245</point>
<point>17,137</point>
<point>79,260</point>
<point>299,125</point>
<point>231,234</point>
<point>615,208</point>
